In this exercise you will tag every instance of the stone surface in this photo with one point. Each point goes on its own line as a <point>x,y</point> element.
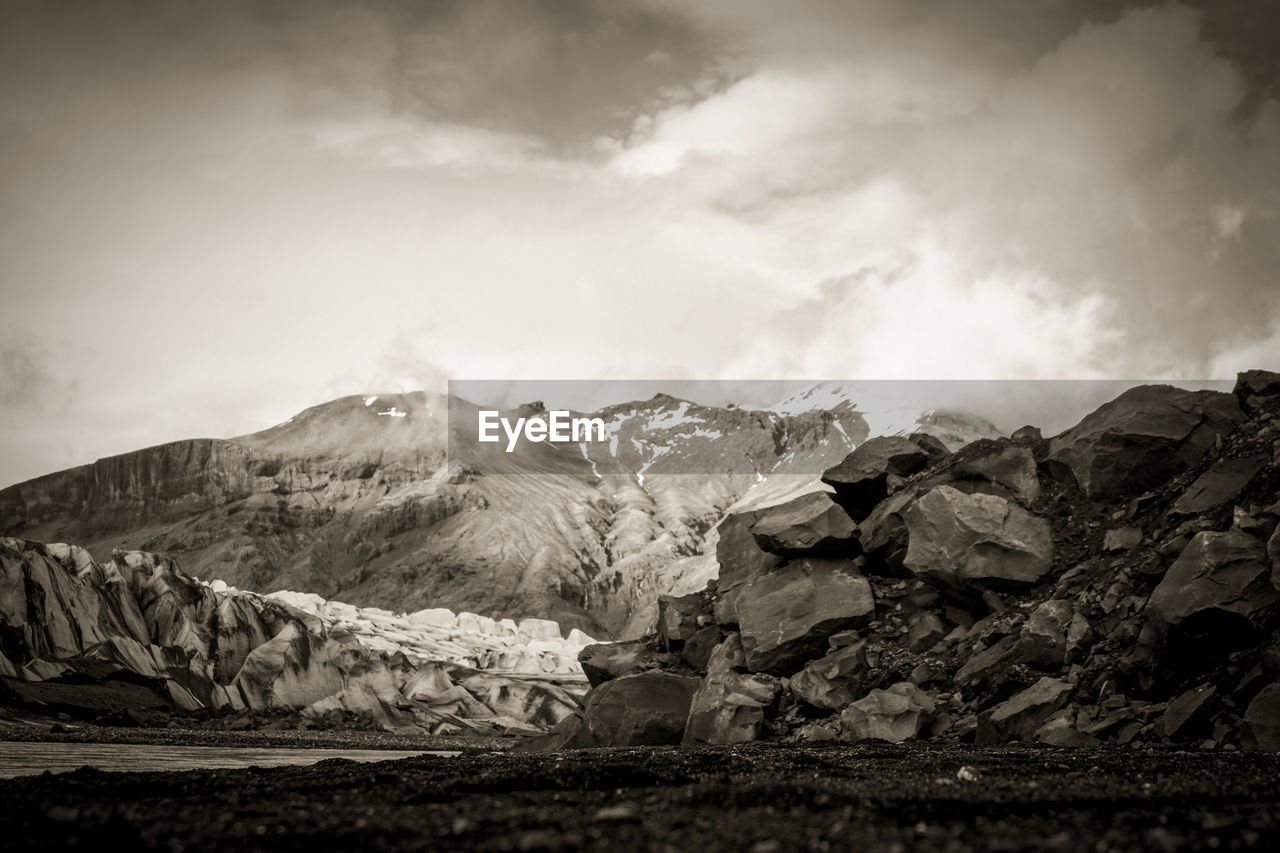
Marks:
<point>825,682</point>
<point>1263,718</point>
<point>994,466</point>
<point>896,714</point>
<point>678,618</point>
<point>1020,716</point>
<point>864,478</point>
<point>1256,384</point>
<point>1043,642</point>
<point>1122,539</point>
<point>648,709</point>
<point>1143,438</point>
<point>605,661</point>
<point>786,615</point>
<point>956,540</point>
<point>1219,485</point>
<point>1219,586</point>
<point>730,705</point>
<point>812,525</point>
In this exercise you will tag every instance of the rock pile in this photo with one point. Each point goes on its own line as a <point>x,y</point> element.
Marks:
<point>1116,583</point>
<point>136,634</point>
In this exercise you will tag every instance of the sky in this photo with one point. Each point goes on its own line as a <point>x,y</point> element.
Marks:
<point>213,215</point>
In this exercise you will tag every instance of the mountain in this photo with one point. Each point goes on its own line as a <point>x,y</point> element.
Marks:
<point>371,500</point>
<point>1118,583</point>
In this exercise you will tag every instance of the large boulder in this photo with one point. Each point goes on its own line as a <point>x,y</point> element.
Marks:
<point>730,705</point>
<point>1143,438</point>
<point>1219,591</point>
<point>1263,718</point>
<point>872,470</point>
<point>1043,640</point>
<point>787,615</point>
<point>1019,717</point>
<point>825,682</point>
<point>678,618</point>
<point>648,709</point>
<point>994,466</point>
<point>603,662</point>
<point>741,560</point>
<point>958,540</point>
<point>1254,387</point>
<point>1221,484</point>
<point>895,714</point>
<point>811,525</point>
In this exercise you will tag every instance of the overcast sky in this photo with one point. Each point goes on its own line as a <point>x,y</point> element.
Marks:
<point>214,214</point>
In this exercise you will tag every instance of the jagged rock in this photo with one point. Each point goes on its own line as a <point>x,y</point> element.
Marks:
<point>866,475</point>
<point>1221,484</point>
<point>1219,590</point>
<point>1061,730</point>
<point>1262,718</point>
<point>956,540</point>
<point>1254,386</point>
<point>786,615</point>
<point>1122,539</point>
<point>993,466</point>
<point>932,447</point>
<point>729,706</point>
<point>1020,716</point>
<point>895,714</point>
<point>1027,435</point>
<point>1043,642</point>
<point>924,630</point>
<point>678,618</point>
<point>698,648</point>
<point>1143,438</point>
<point>824,683</point>
<point>741,560</point>
<point>1186,709</point>
<point>647,709</point>
<point>606,661</point>
<point>812,525</point>
<point>883,534</point>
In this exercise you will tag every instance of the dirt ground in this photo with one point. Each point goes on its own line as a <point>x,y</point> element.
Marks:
<point>758,798</point>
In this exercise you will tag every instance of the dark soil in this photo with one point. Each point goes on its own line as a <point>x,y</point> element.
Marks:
<point>760,798</point>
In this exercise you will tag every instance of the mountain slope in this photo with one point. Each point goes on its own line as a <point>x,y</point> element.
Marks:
<point>371,500</point>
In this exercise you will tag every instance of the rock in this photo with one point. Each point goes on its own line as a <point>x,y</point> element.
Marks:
<point>1262,718</point>
<point>1027,435</point>
<point>787,615</point>
<point>993,466</point>
<point>1122,539</point>
<point>729,706</point>
<point>957,540</point>
<point>648,709</point>
<point>1043,641</point>
<point>697,650</point>
<point>1187,709</point>
<point>605,661</point>
<point>1020,716</point>
<point>812,525</point>
<point>824,683</point>
<point>924,630</point>
<point>1218,591</point>
<point>678,618</point>
<point>1143,438</point>
<point>1221,484</point>
<point>1060,730</point>
<point>865,476</point>
<point>741,560</point>
<point>1254,386</point>
<point>895,714</point>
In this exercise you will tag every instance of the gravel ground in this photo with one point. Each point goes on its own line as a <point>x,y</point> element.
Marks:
<point>759,798</point>
<point>300,739</point>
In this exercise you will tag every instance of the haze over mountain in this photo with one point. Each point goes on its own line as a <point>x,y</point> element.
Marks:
<point>359,500</point>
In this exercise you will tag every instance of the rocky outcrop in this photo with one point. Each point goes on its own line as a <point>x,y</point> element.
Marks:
<point>1063,591</point>
<point>1143,438</point>
<point>811,524</point>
